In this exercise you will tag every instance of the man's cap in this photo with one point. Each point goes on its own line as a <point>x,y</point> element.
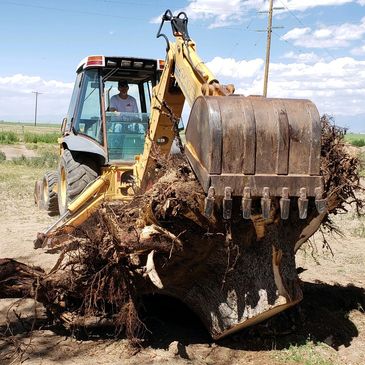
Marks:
<point>122,83</point>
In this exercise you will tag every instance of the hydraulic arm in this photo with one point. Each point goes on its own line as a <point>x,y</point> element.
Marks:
<point>185,77</point>
<point>248,147</point>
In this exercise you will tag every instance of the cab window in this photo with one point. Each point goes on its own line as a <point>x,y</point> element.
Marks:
<point>88,119</point>
<point>125,134</point>
<point>126,130</point>
<point>111,89</point>
<point>71,108</point>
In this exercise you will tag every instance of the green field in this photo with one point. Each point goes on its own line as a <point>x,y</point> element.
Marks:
<point>11,133</point>
<point>21,128</point>
<point>356,139</point>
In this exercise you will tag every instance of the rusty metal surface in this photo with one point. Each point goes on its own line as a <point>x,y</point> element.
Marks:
<point>239,141</point>
<point>258,182</point>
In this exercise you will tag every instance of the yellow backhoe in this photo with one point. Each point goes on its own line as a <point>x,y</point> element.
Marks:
<point>258,151</point>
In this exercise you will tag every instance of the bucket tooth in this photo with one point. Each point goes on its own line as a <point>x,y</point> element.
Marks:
<point>321,204</point>
<point>284,203</point>
<point>209,202</point>
<point>246,203</point>
<point>303,203</point>
<point>265,203</point>
<point>227,203</point>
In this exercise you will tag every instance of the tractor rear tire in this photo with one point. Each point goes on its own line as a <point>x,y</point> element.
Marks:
<point>49,195</point>
<point>38,191</point>
<point>76,171</point>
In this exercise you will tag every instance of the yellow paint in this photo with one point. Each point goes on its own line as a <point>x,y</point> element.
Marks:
<point>184,67</point>
<point>106,188</point>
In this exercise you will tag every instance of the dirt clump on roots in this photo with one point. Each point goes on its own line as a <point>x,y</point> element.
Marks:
<point>161,242</point>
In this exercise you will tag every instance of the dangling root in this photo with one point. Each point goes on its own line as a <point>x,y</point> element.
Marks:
<point>151,271</point>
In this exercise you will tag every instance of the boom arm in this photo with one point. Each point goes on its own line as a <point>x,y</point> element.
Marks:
<point>237,146</point>
<point>185,76</point>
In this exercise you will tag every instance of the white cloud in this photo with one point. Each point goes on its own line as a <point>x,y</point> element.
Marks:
<point>322,33</point>
<point>301,5</point>
<point>358,51</point>
<point>17,100</point>
<point>229,66</point>
<point>223,12</point>
<point>302,57</point>
<point>220,13</point>
<point>227,12</point>
<point>296,33</point>
<point>327,36</point>
<point>337,87</point>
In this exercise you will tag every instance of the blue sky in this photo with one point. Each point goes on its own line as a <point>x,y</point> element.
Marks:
<point>318,54</point>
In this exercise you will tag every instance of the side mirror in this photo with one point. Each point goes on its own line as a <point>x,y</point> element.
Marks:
<point>63,125</point>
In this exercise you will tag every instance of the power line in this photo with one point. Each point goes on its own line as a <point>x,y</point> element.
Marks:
<point>71,11</point>
<point>241,12</point>
<point>194,7</point>
<point>103,14</point>
<point>305,26</point>
<point>291,13</point>
<point>109,15</point>
<point>134,2</point>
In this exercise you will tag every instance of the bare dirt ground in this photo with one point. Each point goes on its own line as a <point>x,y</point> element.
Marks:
<point>328,327</point>
<point>17,150</point>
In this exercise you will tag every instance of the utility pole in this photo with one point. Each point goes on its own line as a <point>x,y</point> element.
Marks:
<point>36,106</point>
<point>268,43</point>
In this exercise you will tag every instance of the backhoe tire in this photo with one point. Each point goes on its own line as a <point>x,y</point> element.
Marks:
<point>38,191</point>
<point>49,194</point>
<point>76,171</point>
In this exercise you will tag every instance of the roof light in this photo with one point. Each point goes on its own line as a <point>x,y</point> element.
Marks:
<point>160,64</point>
<point>111,63</point>
<point>126,63</point>
<point>138,64</point>
<point>95,61</point>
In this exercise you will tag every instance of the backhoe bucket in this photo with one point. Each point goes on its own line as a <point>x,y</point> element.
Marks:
<point>257,148</point>
<point>258,161</point>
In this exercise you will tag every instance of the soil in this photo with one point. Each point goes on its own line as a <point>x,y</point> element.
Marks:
<point>329,322</point>
<point>16,151</point>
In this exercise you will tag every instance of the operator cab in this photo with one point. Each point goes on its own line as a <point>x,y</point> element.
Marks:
<point>115,135</point>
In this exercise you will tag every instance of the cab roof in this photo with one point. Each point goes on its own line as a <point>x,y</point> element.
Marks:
<point>119,62</point>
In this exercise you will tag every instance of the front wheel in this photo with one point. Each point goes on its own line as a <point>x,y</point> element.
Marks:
<point>76,171</point>
<point>49,193</point>
<point>38,189</point>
